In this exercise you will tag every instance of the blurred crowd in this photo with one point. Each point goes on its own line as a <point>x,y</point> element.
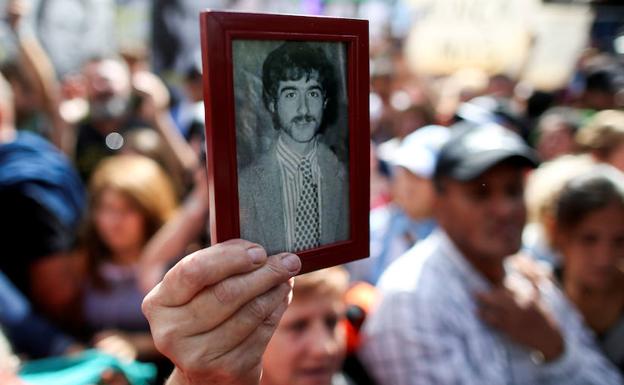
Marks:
<point>103,189</point>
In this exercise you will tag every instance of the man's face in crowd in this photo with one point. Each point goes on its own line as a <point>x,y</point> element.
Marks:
<point>108,89</point>
<point>309,344</point>
<point>299,107</point>
<point>485,216</point>
<point>406,186</point>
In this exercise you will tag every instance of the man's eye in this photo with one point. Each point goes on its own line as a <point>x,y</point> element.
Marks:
<point>290,94</point>
<point>315,94</point>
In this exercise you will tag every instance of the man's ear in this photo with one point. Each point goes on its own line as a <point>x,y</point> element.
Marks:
<point>325,103</point>
<point>272,107</point>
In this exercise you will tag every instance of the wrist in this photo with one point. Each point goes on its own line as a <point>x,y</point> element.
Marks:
<point>178,378</point>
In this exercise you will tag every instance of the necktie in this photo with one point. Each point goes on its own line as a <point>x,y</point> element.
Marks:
<point>307,229</point>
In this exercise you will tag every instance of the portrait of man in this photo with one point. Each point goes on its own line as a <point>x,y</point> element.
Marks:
<point>293,183</point>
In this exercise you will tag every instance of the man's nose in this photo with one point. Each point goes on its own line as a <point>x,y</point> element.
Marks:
<point>503,206</point>
<point>302,107</point>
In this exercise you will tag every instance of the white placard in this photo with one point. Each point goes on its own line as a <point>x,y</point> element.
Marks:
<point>561,33</point>
<point>448,35</point>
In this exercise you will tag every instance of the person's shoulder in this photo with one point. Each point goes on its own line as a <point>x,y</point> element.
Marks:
<point>416,271</point>
<point>264,162</point>
<point>415,282</point>
<point>329,158</point>
<point>34,157</point>
<point>422,281</point>
<point>324,150</point>
<point>246,172</point>
<point>26,141</point>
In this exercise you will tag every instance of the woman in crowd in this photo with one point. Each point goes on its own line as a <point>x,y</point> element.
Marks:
<point>603,138</point>
<point>589,233</point>
<point>309,344</point>
<point>130,199</point>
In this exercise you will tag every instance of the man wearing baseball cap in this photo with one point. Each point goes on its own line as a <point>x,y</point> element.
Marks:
<point>452,311</point>
<point>395,227</point>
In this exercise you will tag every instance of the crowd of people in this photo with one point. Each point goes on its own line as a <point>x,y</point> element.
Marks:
<point>496,236</point>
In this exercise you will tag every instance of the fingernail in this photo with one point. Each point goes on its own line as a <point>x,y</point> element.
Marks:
<point>291,262</point>
<point>257,254</point>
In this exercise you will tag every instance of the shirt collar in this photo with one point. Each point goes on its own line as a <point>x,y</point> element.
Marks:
<point>290,159</point>
<point>469,275</point>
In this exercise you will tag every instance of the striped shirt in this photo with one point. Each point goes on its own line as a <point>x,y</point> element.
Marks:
<point>292,179</point>
<point>426,330</point>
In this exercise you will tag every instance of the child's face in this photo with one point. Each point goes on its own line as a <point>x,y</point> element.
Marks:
<point>594,249</point>
<point>308,346</point>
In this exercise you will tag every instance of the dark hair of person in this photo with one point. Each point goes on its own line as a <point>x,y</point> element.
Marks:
<point>294,60</point>
<point>591,191</point>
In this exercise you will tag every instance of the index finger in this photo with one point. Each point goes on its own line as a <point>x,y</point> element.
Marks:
<point>207,267</point>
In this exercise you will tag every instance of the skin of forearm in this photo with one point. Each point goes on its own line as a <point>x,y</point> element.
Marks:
<point>40,71</point>
<point>176,144</point>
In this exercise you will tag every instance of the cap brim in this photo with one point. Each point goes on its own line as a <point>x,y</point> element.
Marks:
<point>477,164</point>
<point>420,163</point>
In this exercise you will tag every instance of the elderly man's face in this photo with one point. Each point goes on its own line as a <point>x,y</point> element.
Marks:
<point>485,216</point>
<point>299,107</point>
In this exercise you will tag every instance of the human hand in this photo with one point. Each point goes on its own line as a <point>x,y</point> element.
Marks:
<point>16,10</point>
<point>150,274</point>
<point>116,344</point>
<point>216,310</point>
<point>529,268</point>
<point>113,377</point>
<point>152,92</point>
<point>523,319</point>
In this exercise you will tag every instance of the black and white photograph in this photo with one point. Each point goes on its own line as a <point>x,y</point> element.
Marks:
<point>292,142</point>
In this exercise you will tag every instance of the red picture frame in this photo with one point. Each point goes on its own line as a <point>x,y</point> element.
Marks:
<point>222,35</point>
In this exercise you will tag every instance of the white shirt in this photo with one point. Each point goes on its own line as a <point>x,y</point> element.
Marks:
<point>426,330</point>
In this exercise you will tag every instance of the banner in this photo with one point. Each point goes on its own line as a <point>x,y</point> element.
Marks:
<point>561,34</point>
<point>448,35</point>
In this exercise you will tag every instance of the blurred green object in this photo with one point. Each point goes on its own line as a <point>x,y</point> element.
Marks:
<point>84,369</point>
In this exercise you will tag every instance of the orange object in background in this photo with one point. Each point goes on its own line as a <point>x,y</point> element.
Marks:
<point>361,298</point>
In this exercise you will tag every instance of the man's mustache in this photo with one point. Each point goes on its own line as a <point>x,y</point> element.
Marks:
<point>299,119</point>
